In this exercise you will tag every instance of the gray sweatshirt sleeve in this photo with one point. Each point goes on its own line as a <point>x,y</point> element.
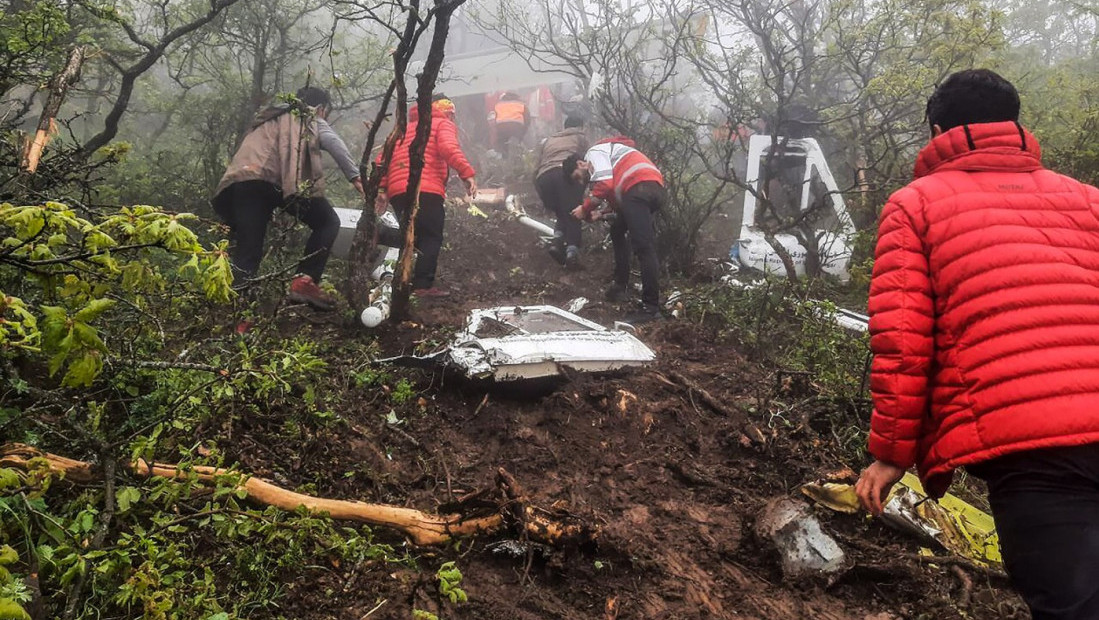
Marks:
<point>335,147</point>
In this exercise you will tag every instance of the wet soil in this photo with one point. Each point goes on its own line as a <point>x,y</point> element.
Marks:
<point>674,483</point>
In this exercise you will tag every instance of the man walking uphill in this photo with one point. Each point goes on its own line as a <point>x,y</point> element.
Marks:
<point>558,193</point>
<point>510,119</point>
<point>984,322</point>
<point>632,187</point>
<point>441,154</point>
<point>278,165</point>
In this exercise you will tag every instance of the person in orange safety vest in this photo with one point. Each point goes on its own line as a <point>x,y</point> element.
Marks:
<point>510,119</point>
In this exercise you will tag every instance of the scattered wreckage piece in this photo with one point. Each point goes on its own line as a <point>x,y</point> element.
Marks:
<point>380,298</point>
<point>512,206</point>
<point>799,168</point>
<point>950,523</point>
<point>806,550</point>
<point>388,230</point>
<point>516,343</point>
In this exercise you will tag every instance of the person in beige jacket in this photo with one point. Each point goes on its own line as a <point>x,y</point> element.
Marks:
<point>557,193</point>
<point>278,166</point>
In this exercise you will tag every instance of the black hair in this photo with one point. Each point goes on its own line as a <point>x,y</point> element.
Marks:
<point>314,97</point>
<point>972,96</point>
<point>509,96</point>
<point>573,121</point>
<point>438,97</point>
<point>570,165</point>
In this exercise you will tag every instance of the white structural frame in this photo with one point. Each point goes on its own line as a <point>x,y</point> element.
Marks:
<point>752,249</point>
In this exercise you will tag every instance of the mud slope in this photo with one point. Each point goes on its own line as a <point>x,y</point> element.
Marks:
<point>673,483</point>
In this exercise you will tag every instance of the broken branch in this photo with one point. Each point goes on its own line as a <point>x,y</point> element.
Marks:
<point>706,397</point>
<point>59,87</point>
<point>423,528</point>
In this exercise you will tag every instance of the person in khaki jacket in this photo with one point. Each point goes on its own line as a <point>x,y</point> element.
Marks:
<point>557,193</point>
<point>278,166</point>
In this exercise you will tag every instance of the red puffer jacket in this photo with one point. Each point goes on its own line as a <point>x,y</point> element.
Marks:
<point>984,307</point>
<point>443,153</point>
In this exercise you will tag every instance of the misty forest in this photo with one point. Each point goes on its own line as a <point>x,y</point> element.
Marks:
<point>346,435</point>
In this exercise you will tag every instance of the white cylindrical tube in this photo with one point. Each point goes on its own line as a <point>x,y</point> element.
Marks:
<point>536,225</point>
<point>378,310</point>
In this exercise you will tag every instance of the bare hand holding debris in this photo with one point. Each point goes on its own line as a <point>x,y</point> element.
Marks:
<point>874,485</point>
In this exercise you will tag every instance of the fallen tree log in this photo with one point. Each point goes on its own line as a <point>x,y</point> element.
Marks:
<point>423,528</point>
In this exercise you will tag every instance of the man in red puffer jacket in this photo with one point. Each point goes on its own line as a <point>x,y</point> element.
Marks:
<point>443,153</point>
<point>984,322</point>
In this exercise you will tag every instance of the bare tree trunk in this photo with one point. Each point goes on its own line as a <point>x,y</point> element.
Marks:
<point>144,63</point>
<point>364,245</point>
<point>59,87</point>
<point>444,9</point>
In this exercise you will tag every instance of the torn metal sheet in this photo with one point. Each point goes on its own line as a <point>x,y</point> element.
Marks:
<point>854,321</point>
<point>349,221</point>
<point>950,523</point>
<point>529,342</point>
<point>515,343</point>
<point>805,548</point>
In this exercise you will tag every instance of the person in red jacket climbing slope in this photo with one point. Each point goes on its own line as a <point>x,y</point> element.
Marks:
<point>632,187</point>
<point>443,153</point>
<point>984,323</point>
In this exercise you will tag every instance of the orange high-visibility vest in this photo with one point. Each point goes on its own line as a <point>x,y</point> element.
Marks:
<point>510,112</point>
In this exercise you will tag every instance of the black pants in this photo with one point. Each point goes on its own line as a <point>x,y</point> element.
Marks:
<point>506,132</point>
<point>247,208</point>
<point>1046,507</point>
<point>635,218</point>
<point>561,196</point>
<point>430,219</point>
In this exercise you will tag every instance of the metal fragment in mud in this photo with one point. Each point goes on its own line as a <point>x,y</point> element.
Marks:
<point>805,548</point>
<point>515,343</point>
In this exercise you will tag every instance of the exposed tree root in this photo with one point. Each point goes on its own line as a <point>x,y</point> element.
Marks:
<point>553,528</point>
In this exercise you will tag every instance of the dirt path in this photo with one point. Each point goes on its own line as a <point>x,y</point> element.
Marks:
<point>674,483</point>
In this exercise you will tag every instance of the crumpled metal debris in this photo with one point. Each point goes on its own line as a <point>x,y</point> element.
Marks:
<point>576,305</point>
<point>805,548</point>
<point>512,343</point>
<point>950,523</point>
<point>518,548</point>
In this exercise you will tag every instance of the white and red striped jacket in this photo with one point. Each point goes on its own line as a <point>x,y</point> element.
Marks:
<point>618,166</point>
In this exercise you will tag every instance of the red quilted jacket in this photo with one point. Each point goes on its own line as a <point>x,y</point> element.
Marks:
<point>984,307</point>
<point>443,153</point>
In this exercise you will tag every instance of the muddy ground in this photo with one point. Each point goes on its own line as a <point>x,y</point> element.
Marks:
<point>673,483</point>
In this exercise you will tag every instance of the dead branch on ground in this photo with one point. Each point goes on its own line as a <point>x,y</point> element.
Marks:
<point>553,528</point>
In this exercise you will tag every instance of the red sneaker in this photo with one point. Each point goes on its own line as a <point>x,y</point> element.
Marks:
<point>304,290</point>
<point>430,292</point>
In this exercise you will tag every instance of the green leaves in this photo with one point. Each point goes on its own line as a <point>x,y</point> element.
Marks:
<point>10,610</point>
<point>449,579</point>
<point>18,326</point>
<point>9,607</point>
<point>91,271</point>
<point>73,341</point>
<point>127,497</point>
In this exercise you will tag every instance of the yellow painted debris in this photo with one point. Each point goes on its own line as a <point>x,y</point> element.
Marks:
<point>953,523</point>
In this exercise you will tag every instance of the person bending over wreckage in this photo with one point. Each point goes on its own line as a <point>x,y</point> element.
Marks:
<point>278,166</point>
<point>984,323</point>
<point>628,185</point>
<point>557,191</point>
